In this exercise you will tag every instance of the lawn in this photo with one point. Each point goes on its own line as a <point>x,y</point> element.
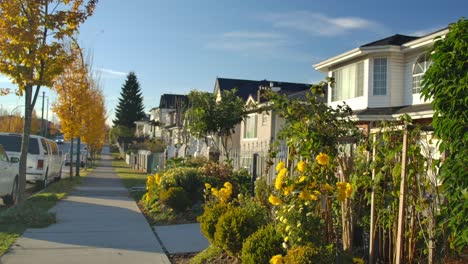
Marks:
<point>130,178</point>
<point>34,213</point>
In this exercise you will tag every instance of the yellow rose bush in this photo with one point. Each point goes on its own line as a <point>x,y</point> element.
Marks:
<point>299,198</point>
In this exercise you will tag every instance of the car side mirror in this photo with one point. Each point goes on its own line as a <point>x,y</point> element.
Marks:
<point>14,160</point>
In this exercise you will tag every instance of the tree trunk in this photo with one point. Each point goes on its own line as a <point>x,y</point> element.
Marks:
<point>28,107</point>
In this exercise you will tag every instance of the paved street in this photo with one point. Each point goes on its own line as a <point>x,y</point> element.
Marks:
<point>97,223</point>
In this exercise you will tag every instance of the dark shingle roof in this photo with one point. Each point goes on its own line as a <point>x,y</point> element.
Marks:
<point>396,40</point>
<point>172,101</point>
<point>249,87</point>
<point>393,110</point>
<point>301,96</point>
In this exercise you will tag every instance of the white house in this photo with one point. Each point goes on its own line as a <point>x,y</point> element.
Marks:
<point>382,79</point>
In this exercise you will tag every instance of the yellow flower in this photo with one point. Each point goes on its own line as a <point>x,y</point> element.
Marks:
<point>302,179</point>
<point>274,200</point>
<point>279,166</point>
<point>327,187</point>
<point>323,159</point>
<point>345,189</point>
<point>282,173</point>
<point>304,195</point>
<point>313,197</point>
<point>147,197</point>
<point>279,178</point>
<point>207,186</point>
<point>149,182</point>
<point>157,178</point>
<point>228,185</point>
<point>349,190</point>
<point>287,190</point>
<point>301,166</point>
<point>277,259</point>
<point>215,192</point>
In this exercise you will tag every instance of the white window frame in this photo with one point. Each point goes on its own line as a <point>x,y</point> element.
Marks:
<point>248,125</point>
<point>379,75</point>
<point>352,76</point>
<point>264,119</point>
<point>419,69</point>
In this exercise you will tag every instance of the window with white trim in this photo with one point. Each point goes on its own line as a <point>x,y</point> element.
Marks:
<point>264,118</point>
<point>420,67</point>
<point>250,126</point>
<point>349,82</point>
<point>380,76</point>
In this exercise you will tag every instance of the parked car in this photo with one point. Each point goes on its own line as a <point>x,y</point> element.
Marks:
<point>9,172</point>
<point>44,162</point>
<point>59,139</point>
<point>66,148</point>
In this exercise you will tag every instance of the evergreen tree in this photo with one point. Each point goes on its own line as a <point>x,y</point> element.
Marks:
<point>130,107</point>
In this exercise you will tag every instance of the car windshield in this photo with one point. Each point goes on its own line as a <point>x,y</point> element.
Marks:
<point>12,143</point>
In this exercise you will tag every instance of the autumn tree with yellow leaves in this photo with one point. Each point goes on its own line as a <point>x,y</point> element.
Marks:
<point>32,52</point>
<point>80,103</point>
<point>13,122</point>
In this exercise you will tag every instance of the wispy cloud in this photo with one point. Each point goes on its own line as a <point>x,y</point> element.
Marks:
<point>248,41</point>
<point>111,73</point>
<point>426,31</point>
<point>319,24</point>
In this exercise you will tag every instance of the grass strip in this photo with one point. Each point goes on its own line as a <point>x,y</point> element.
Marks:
<point>34,213</point>
<point>130,178</point>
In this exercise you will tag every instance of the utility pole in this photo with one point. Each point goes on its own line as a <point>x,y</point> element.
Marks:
<point>42,115</point>
<point>47,119</point>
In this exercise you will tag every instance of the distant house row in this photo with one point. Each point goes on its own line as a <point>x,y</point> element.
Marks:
<point>380,80</point>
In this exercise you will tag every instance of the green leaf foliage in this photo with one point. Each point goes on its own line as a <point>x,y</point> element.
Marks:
<point>446,83</point>
<point>262,245</point>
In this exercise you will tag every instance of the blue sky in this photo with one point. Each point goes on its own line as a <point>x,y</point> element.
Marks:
<point>175,46</point>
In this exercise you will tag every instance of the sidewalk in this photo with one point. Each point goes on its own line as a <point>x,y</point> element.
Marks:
<point>96,223</point>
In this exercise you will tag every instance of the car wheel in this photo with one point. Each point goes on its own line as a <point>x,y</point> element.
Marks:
<point>44,183</point>
<point>11,198</point>
<point>59,175</point>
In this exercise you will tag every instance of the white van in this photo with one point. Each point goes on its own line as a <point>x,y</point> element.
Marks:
<point>8,177</point>
<point>44,161</point>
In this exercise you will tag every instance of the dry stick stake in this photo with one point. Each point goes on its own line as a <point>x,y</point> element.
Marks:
<point>401,209</point>
<point>372,210</point>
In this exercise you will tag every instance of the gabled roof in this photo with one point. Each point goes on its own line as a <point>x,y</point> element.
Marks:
<point>173,101</point>
<point>395,40</point>
<point>302,96</point>
<point>251,87</point>
<point>395,43</point>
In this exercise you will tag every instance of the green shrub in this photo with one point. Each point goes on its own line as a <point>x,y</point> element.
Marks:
<point>219,172</point>
<point>242,182</point>
<point>186,178</point>
<point>196,162</point>
<point>209,219</point>
<point>175,198</point>
<point>263,191</point>
<point>208,255</point>
<point>310,254</point>
<point>262,245</point>
<point>235,226</point>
